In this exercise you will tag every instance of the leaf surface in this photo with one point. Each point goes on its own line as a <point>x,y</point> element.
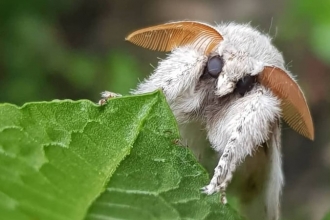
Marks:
<point>75,160</point>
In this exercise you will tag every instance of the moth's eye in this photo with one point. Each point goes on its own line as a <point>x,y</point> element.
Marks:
<point>245,84</point>
<point>214,66</point>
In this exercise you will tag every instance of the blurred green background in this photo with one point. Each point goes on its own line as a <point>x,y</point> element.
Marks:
<point>75,49</point>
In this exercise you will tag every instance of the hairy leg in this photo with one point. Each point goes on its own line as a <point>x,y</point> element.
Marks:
<point>238,131</point>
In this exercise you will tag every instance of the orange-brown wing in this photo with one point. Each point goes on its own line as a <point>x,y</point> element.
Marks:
<point>166,37</point>
<point>294,105</point>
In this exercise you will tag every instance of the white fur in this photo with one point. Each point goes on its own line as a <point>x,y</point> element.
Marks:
<point>275,180</point>
<point>236,126</point>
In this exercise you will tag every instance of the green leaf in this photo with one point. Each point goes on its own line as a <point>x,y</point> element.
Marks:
<point>75,160</point>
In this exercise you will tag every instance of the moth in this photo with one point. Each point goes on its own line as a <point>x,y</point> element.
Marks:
<point>230,83</point>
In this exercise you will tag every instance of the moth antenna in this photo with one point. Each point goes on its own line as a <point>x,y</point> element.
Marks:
<point>294,106</point>
<point>166,37</point>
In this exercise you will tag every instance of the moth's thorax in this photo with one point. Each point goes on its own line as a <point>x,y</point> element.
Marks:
<point>241,41</point>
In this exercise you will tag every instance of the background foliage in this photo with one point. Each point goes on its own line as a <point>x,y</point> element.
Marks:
<point>75,49</point>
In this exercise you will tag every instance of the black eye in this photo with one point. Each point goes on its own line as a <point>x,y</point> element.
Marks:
<point>214,66</point>
<point>245,84</point>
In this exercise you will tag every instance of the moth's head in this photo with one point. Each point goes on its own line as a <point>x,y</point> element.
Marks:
<point>235,53</point>
<point>244,52</point>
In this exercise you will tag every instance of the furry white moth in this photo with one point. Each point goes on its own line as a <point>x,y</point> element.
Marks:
<point>232,82</point>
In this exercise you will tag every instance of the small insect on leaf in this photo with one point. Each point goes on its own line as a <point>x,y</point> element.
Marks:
<point>166,37</point>
<point>294,106</point>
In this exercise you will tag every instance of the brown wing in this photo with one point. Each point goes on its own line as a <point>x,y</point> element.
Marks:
<point>166,37</point>
<point>294,106</point>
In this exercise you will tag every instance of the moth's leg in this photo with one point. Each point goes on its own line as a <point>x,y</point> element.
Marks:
<point>223,172</point>
<point>179,72</point>
<point>177,76</point>
<point>106,95</point>
<point>247,123</point>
